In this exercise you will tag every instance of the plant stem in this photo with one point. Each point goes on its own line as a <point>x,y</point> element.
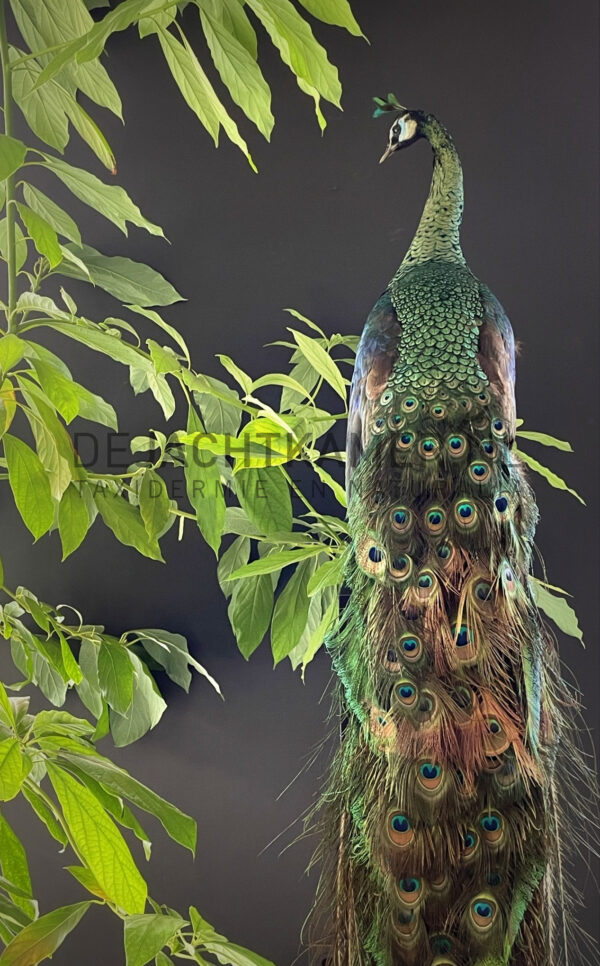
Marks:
<point>10,181</point>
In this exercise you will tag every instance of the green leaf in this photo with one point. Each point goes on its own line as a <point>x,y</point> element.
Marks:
<point>198,92</point>
<point>126,523</point>
<point>12,350</point>
<point>73,520</point>
<point>158,320</point>
<point>265,496</point>
<point>329,574</point>
<point>99,842</point>
<point>12,155</point>
<point>235,556</point>
<point>13,859</point>
<point>545,440</point>
<point>291,612</point>
<point>62,223</point>
<point>40,939</point>
<point>89,131</point>
<point>145,936</point>
<point>171,651</point>
<point>318,635</point>
<point>180,827</point>
<point>320,360</point>
<point>92,336</point>
<point>59,389</point>
<point>297,46</point>
<point>164,358</point>
<point>30,485</point>
<point>115,673</point>
<point>89,688</point>
<point>204,488</point>
<point>227,952</point>
<point>87,880</point>
<point>20,245</point>
<point>155,505</point>
<point>250,611</point>
<point>112,201</point>
<point>241,377</point>
<point>44,813</point>
<point>335,12</point>
<point>231,14</point>
<point>240,73</point>
<point>43,235</point>
<point>336,488</point>
<point>43,109</point>
<point>557,609</point>
<point>126,280</point>
<point>276,561</point>
<point>548,474</point>
<point>145,711</point>
<point>11,768</point>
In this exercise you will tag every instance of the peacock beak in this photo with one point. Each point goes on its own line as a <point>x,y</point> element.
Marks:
<point>386,154</point>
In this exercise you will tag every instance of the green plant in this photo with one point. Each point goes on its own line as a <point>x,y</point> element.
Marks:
<point>51,758</point>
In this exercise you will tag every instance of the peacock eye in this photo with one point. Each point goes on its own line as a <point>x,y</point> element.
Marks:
<point>457,445</point>
<point>438,411</point>
<point>405,440</point>
<point>498,428</point>
<point>401,567</point>
<point>411,648</point>
<point>465,514</point>
<point>400,823</point>
<point>386,397</point>
<point>483,590</point>
<point>444,551</point>
<point>409,404</point>
<point>401,519</point>
<point>488,447</point>
<point>435,519</point>
<point>429,771</point>
<point>463,636</point>
<point>379,425</point>
<point>407,693</point>
<point>479,472</point>
<point>375,555</point>
<point>429,448</point>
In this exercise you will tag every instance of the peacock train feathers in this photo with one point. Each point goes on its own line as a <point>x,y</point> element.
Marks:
<point>441,834</point>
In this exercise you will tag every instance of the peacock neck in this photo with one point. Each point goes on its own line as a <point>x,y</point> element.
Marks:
<point>438,235</point>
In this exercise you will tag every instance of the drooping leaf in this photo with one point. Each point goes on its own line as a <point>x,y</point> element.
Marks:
<point>12,350</point>
<point>291,611</point>
<point>29,484</point>
<point>73,520</point>
<point>234,557</point>
<point>276,561</point>
<point>239,72</point>
<point>43,235</point>
<point>126,523</point>
<point>99,842</point>
<point>112,201</point>
<point>126,280</point>
<point>198,92</point>
<point>11,768</point>
<point>204,488</point>
<point>20,245</point>
<point>155,505</point>
<point>145,711</point>
<point>59,389</point>
<point>548,474</point>
<point>545,440</point>
<point>250,611</point>
<point>314,352</point>
<point>43,109</point>
<point>40,939</point>
<point>180,827</point>
<point>145,936</point>
<point>62,223</point>
<point>13,859</point>
<point>557,609</point>
<point>329,574</point>
<point>115,673</point>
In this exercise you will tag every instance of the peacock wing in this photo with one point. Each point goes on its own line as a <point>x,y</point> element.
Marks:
<point>376,355</point>
<point>496,356</point>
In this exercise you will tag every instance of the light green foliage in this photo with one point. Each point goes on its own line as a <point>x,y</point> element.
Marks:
<point>86,802</point>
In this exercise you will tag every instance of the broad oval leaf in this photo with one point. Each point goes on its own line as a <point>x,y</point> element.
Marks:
<point>30,485</point>
<point>145,936</point>
<point>40,939</point>
<point>12,155</point>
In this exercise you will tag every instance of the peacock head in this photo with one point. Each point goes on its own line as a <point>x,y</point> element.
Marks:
<point>406,128</point>
<point>404,131</point>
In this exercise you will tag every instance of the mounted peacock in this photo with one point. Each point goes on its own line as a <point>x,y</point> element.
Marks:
<point>441,829</point>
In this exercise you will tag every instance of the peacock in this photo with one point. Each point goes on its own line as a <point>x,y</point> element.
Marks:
<point>440,821</point>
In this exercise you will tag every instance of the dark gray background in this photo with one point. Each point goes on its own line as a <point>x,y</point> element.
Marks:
<point>322,228</point>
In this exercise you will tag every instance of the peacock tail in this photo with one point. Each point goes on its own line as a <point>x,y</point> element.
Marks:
<point>440,828</point>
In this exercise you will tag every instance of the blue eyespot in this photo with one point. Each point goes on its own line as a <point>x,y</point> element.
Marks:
<point>375,555</point>
<point>429,771</point>
<point>488,447</point>
<point>501,504</point>
<point>494,726</point>
<point>425,580</point>
<point>406,691</point>
<point>400,516</point>
<point>494,879</point>
<point>463,637</point>
<point>400,823</point>
<point>435,518</point>
<point>484,910</point>
<point>409,885</point>
<point>444,551</point>
<point>456,442</point>
<point>379,422</point>
<point>392,657</point>
<point>483,590</point>
<point>409,645</point>
<point>465,510</point>
<point>498,425</point>
<point>469,840</point>
<point>491,823</point>
<point>406,438</point>
<point>479,470</point>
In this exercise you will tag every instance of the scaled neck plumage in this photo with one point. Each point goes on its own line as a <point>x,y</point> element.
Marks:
<point>438,235</point>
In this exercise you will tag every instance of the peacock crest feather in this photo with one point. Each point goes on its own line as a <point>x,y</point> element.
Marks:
<point>440,838</point>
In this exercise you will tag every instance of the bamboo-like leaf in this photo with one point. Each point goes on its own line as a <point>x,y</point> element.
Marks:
<point>115,673</point>
<point>12,350</point>
<point>126,523</point>
<point>43,109</point>
<point>557,609</point>
<point>16,868</point>
<point>155,505</point>
<point>329,574</point>
<point>545,440</point>
<point>297,46</point>
<point>233,17</point>
<point>126,280</point>
<point>250,611</point>
<point>235,556</point>
<point>335,12</point>
<point>204,488</point>
<point>240,73</point>
<point>336,488</point>
<point>322,362</point>
<point>73,520</point>
<point>112,201</point>
<point>99,842</point>
<point>198,92</point>
<point>291,611</point>
<point>548,474</point>
<point>276,561</point>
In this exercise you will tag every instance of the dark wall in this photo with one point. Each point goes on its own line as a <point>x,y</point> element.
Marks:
<point>322,228</point>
